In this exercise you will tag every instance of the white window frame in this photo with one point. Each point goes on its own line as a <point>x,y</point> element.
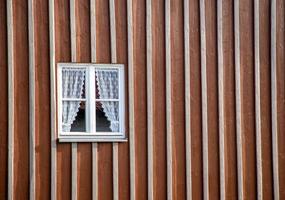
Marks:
<point>90,112</point>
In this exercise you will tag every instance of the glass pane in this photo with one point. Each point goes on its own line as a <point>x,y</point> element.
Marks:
<point>73,116</point>
<point>73,83</point>
<point>107,116</point>
<point>107,83</point>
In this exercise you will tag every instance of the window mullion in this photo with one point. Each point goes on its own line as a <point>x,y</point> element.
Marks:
<point>92,97</point>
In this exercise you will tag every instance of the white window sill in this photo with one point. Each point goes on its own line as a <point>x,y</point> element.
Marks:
<point>91,139</point>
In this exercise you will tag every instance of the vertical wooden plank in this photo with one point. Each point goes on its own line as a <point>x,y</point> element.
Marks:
<point>204,100</point>
<point>168,100</point>
<point>229,124</point>
<point>221,98</point>
<point>103,46</point>
<point>11,110</point>
<point>211,96</point>
<point>274,100</point>
<point>131,100</point>
<point>4,101</point>
<point>140,97</point>
<point>280,77</point>
<point>196,101</point>
<point>177,100</point>
<point>265,99</point>
<point>238,100</point>
<point>279,74</point>
<point>63,54</point>
<point>42,101</point>
<point>149,98</point>
<point>21,100</point>
<point>247,98</point>
<point>93,59</point>
<point>83,55</point>
<point>257,100</point>
<point>159,101</point>
<point>114,60</point>
<point>122,57</point>
<point>53,182</point>
<point>72,7</point>
<point>32,104</point>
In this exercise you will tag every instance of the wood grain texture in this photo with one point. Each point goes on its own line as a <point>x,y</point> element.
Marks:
<point>42,101</point>
<point>140,97</point>
<point>62,54</point>
<point>103,42</point>
<point>159,101</point>
<point>229,102</point>
<point>83,51</point>
<point>3,102</point>
<point>122,57</point>
<point>212,99</point>
<point>278,97</point>
<point>265,100</point>
<point>196,100</point>
<point>177,95</point>
<point>21,100</point>
<point>247,99</point>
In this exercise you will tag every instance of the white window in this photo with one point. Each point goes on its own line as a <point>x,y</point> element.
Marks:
<point>91,102</point>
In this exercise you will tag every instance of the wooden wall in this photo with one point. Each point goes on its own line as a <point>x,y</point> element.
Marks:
<point>205,84</point>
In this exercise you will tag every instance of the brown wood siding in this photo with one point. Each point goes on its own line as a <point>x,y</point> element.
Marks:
<point>62,54</point>
<point>21,100</point>
<point>236,82</point>
<point>280,31</point>
<point>3,102</point>
<point>229,99</point>
<point>42,99</point>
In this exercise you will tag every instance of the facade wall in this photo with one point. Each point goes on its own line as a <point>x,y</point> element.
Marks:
<point>205,93</point>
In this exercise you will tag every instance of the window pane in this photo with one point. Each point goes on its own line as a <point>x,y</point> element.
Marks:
<point>107,116</point>
<point>73,83</point>
<point>107,83</point>
<point>73,116</point>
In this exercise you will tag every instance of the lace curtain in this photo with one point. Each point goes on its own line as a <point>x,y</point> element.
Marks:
<point>72,87</point>
<point>108,89</point>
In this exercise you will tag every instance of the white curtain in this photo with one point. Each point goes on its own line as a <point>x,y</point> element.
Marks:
<point>108,89</point>
<point>72,87</point>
